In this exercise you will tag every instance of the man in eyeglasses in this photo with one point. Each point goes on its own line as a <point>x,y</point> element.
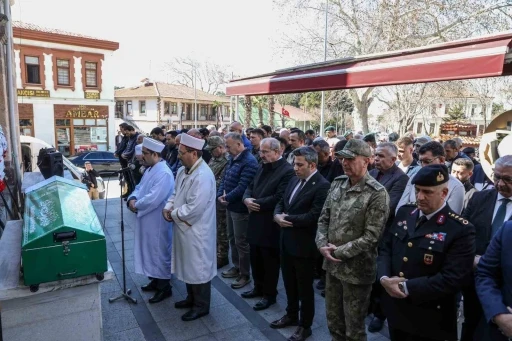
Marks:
<point>487,210</point>
<point>432,153</point>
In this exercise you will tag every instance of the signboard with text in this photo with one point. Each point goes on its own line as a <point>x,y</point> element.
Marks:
<point>33,93</point>
<point>92,95</point>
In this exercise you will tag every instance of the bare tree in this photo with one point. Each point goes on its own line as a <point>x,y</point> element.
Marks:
<point>210,77</point>
<point>364,27</point>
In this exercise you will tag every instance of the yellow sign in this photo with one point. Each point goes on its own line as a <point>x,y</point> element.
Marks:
<point>33,93</point>
<point>82,112</point>
<point>92,95</point>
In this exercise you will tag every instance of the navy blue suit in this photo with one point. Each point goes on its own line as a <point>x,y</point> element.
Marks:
<point>494,280</point>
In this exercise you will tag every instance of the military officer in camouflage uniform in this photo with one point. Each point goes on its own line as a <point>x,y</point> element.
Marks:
<point>349,229</point>
<point>425,257</point>
<point>218,162</point>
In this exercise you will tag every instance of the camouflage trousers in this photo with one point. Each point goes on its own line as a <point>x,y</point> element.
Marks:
<point>346,309</point>
<point>222,237</point>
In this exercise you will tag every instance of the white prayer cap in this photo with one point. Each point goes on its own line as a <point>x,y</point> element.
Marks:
<point>138,149</point>
<point>192,142</point>
<point>153,145</point>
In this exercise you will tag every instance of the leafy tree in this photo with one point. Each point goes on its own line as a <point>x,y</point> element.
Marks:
<point>455,114</point>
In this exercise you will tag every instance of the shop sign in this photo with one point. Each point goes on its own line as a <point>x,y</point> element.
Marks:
<point>33,93</point>
<point>82,112</point>
<point>92,95</point>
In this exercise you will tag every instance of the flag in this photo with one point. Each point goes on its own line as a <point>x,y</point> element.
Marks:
<point>285,112</point>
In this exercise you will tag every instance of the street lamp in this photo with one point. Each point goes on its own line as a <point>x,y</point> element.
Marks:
<point>325,59</point>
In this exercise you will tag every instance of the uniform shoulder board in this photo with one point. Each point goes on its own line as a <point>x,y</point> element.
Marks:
<point>458,218</point>
<point>375,184</point>
<point>341,177</point>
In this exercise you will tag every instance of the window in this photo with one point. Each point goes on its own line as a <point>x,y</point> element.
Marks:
<point>26,127</point>
<point>419,128</point>
<point>142,107</point>
<point>119,109</point>
<point>433,128</point>
<point>33,74</point>
<point>91,75</point>
<point>63,72</point>
<point>473,109</point>
<point>170,108</point>
<point>129,108</point>
<point>433,109</point>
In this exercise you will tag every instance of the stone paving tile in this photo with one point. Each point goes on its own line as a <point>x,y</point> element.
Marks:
<point>115,321</point>
<point>177,330</point>
<point>244,332</point>
<point>223,317</point>
<point>224,322</point>
<point>134,334</point>
<point>111,286</point>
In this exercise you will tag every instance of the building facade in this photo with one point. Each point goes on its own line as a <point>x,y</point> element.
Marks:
<point>160,104</point>
<point>477,111</point>
<point>65,91</point>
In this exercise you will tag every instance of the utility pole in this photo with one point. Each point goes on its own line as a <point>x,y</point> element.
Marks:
<point>325,59</point>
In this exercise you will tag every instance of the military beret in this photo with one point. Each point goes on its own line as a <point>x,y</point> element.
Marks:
<point>354,148</point>
<point>469,150</point>
<point>347,133</point>
<point>431,175</point>
<point>330,128</point>
<point>369,138</point>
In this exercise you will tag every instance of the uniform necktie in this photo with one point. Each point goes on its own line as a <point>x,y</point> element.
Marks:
<point>499,218</point>
<point>302,182</point>
<point>423,219</point>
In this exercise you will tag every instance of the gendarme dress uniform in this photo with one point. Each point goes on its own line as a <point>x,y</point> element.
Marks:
<point>435,254</point>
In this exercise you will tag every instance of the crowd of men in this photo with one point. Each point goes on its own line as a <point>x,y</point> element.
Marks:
<point>404,230</point>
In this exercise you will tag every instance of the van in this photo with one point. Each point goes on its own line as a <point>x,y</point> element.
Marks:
<point>30,147</point>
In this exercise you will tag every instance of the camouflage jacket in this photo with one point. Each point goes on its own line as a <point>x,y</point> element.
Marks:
<point>218,165</point>
<point>352,219</point>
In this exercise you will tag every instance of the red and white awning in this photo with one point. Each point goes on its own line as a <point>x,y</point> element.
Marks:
<point>485,56</point>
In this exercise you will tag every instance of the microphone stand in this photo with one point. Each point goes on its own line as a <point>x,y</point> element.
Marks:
<point>126,292</point>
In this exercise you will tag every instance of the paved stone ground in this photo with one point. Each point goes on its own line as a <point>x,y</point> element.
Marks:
<point>231,317</point>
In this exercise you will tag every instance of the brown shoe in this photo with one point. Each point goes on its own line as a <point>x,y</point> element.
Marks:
<point>231,273</point>
<point>240,282</point>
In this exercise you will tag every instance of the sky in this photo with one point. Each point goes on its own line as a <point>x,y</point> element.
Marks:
<point>236,33</point>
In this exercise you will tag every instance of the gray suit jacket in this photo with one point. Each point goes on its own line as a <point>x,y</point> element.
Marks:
<point>395,181</point>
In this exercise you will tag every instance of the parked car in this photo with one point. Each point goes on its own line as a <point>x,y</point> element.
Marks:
<point>30,147</point>
<point>101,161</point>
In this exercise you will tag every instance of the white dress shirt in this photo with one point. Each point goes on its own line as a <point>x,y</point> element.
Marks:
<point>299,184</point>
<point>508,212</point>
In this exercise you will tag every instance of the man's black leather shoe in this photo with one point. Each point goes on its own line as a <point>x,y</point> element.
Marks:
<point>161,295</point>
<point>151,286</point>
<point>264,303</point>
<point>376,325</point>
<point>284,321</point>
<point>252,293</point>
<point>183,304</point>
<point>193,315</point>
<point>300,334</point>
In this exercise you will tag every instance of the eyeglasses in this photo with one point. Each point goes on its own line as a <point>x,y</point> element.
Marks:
<point>265,152</point>
<point>428,161</point>
<point>182,153</point>
<point>507,180</point>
